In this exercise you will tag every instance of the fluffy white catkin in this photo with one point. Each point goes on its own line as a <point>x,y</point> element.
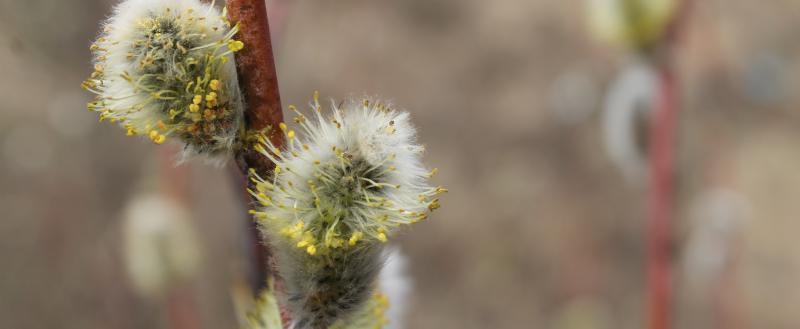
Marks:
<point>164,68</point>
<point>338,192</point>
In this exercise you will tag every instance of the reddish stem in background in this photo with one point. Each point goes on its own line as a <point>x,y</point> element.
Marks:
<point>259,82</point>
<point>175,180</point>
<point>660,205</point>
<point>661,175</point>
<point>181,309</point>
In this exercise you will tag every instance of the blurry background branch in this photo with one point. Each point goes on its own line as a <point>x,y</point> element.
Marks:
<point>662,176</point>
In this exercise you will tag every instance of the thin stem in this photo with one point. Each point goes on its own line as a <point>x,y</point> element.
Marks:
<point>660,204</point>
<point>259,82</point>
<point>181,309</point>
<point>662,175</point>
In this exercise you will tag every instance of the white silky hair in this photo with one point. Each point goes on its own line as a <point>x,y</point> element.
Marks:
<point>311,203</point>
<point>363,133</point>
<point>395,283</point>
<point>629,98</point>
<point>122,29</point>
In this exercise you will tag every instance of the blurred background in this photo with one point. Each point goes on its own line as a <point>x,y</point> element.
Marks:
<point>541,228</point>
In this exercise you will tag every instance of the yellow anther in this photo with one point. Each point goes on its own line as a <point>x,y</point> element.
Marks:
<point>382,237</point>
<point>235,45</point>
<point>213,84</point>
<point>131,132</point>
<point>355,238</point>
<point>282,126</point>
<point>302,244</point>
<point>290,134</point>
<point>194,108</point>
<point>197,99</point>
<point>311,250</point>
<point>434,205</point>
<point>160,139</point>
<point>153,134</point>
<point>212,96</point>
<point>433,172</point>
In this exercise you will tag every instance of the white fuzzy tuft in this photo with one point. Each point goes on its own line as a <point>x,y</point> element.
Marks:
<point>396,286</point>
<point>165,69</point>
<point>337,194</point>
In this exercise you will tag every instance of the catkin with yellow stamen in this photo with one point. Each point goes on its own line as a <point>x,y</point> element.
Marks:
<point>164,69</point>
<point>342,186</point>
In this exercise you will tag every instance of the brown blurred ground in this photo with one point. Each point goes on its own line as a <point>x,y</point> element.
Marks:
<point>539,229</point>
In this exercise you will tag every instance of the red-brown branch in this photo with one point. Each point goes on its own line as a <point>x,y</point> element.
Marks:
<point>660,204</point>
<point>259,82</point>
<point>662,175</point>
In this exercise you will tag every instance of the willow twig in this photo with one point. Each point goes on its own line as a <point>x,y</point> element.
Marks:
<point>662,176</point>
<point>259,82</point>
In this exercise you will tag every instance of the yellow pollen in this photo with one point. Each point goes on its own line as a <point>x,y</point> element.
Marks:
<point>213,84</point>
<point>235,45</point>
<point>355,238</point>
